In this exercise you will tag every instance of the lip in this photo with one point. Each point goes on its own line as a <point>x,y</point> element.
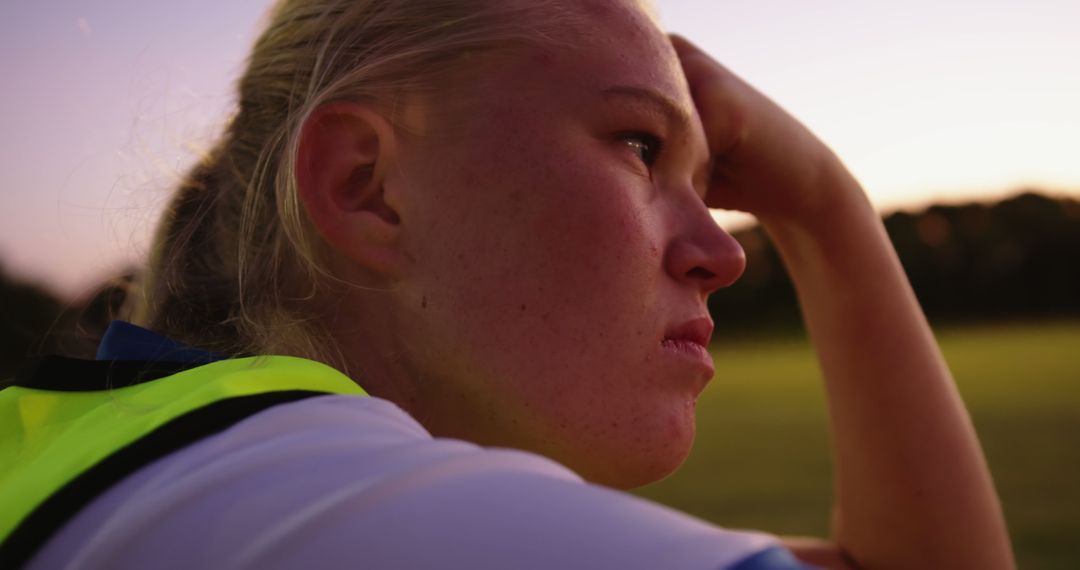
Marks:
<point>697,331</point>
<point>690,341</point>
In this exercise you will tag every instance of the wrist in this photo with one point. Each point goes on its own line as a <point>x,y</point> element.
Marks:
<point>841,211</point>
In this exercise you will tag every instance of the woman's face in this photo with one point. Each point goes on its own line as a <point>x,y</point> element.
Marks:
<point>562,255</point>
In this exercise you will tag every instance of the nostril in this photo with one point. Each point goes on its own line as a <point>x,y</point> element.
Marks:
<point>700,273</point>
<point>705,263</point>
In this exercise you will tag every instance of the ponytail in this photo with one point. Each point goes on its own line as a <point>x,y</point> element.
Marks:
<point>191,285</point>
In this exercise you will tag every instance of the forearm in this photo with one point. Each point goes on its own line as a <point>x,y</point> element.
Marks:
<point>912,486</point>
<point>913,490</point>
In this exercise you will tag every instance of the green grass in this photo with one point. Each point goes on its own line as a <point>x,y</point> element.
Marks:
<point>762,455</point>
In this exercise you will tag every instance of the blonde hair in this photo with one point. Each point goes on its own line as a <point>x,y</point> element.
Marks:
<point>235,263</point>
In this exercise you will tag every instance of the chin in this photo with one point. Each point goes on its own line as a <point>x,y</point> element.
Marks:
<point>648,461</point>
<point>644,472</point>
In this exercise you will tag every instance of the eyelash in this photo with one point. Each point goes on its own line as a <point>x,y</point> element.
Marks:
<point>650,146</point>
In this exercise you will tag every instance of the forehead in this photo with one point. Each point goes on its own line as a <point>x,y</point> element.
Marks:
<point>636,16</point>
<point>615,42</point>
<point>600,44</point>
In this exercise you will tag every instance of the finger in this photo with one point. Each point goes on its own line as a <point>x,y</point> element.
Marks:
<point>683,46</point>
<point>697,58</point>
<point>717,94</point>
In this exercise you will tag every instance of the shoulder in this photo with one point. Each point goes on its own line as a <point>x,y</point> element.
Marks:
<point>334,480</point>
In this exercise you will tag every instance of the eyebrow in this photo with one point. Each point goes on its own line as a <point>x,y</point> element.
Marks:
<point>654,101</point>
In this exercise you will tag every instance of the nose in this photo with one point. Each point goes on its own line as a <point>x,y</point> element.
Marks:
<point>703,255</point>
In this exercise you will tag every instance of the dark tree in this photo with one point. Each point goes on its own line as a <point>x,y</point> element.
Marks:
<point>1019,258</point>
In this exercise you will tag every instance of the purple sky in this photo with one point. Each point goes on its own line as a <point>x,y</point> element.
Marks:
<point>105,103</point>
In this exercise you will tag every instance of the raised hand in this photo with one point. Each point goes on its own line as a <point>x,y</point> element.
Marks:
<point>912,487</point>
<point>765,161</point>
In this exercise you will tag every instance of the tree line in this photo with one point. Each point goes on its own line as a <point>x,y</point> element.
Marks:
<point>1015,259</point>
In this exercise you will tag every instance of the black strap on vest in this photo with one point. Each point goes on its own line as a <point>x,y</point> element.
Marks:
<point>54,512</point>
<point>63,374</point>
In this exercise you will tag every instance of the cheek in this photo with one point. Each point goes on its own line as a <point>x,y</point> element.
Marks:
<point>531,243</point>
<point>574,242</point>
<point>530,204</point>
<point>542,291</point>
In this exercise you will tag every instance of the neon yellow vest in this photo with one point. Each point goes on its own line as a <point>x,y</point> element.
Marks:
<point>61,445</point>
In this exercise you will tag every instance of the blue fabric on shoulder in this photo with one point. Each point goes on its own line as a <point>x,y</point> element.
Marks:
<point>773,558</point>
<point>125,341</point>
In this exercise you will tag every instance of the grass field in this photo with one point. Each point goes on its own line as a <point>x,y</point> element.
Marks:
<point>762,455</point>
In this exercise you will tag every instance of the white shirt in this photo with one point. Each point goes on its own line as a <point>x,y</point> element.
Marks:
<point>354,482</point>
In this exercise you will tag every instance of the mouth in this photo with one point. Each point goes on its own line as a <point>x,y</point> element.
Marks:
<point>689,342</point>
<point>696,331</point>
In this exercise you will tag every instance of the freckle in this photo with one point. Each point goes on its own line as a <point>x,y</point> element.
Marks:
<point>423,302</point>
<point>522,307</point>
<point>546,58</point>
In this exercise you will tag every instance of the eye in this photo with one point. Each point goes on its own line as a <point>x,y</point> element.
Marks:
<point>646,146</point>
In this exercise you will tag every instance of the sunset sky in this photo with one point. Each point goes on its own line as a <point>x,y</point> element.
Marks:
<point>105,103</point>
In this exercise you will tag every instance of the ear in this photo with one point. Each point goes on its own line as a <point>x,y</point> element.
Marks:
<point>346,151</point>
